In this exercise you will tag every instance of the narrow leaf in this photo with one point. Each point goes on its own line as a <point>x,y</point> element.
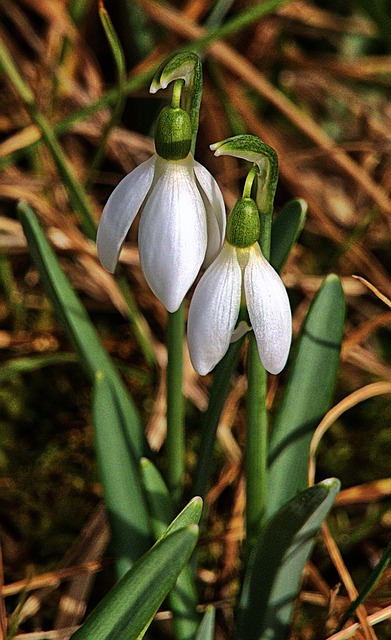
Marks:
<point>273,577</point>
<point>77,324</point>
<point>183,597</point>
<point>285,231</point>
<point>308,394</point>
<point>160,503</point>
<point>114,43</point>
<point>119,474</point>
<point>127,610</point>
<point>16,366</point>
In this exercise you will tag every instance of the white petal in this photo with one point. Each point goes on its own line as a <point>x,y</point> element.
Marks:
<point>269,311</point>
<point>215,211</point>
<point>172,233</point>
<point>214,310</point>
<point>120,211</point>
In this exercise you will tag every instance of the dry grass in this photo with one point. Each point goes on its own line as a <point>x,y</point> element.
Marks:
<point>313,85</point>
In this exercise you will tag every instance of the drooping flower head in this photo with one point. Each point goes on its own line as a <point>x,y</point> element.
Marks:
<point>182,221</point>
<point>240,291</point>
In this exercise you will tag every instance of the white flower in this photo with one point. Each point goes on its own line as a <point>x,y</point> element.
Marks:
<point>239,276</point>
<point>182,224</point>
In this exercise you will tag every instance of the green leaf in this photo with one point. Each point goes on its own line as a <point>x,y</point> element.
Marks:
<point>252,149</point>
<point>119,474</point>
<point>273,576</point>
<point>127,610</point>
<point>207,627</point>
<point>77,324</point>
<point>285,231</point>
<point>308,394</point>
<point>120,441</point>
<point>160,503</point>
<point>183,597</point>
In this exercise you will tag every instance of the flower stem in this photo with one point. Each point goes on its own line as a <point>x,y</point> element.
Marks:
<point>177,93</point>
<point>257,419</point>
<point>249,182</point>
<point>175,441</point>
<point>256,443</point>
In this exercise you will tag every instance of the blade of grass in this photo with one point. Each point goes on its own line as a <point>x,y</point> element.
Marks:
<point>137,322</point>
<point>273,575</point>
<point>78,9</point>
<point>232,26</point>
<point>10,287</point>
<point>308,394</point>
<point>120,68</point>
<point>32,363</point>
<point>135,30</point>
<point>77,195</point>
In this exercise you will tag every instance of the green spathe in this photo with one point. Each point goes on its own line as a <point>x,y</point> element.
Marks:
<point>243,226</point>
<point>173,134</point>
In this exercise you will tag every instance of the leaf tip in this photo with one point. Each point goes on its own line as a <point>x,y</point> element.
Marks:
<point>332,484</point>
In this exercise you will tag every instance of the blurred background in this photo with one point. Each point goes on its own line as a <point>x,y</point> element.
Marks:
<point>313,80</point>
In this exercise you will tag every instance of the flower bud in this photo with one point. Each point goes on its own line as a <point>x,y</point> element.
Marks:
<point>243,226</point>
<point>173,134</point>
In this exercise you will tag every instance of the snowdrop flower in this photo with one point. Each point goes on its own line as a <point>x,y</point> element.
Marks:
<point>240,278</point>
<point>182,221</point>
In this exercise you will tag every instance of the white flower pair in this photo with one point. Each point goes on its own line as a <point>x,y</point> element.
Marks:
<point>182,228</point>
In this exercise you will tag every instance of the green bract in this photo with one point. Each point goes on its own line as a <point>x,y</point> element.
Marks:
<point>173,134</point>
<point>179,66</point>
<point>252,149</point>
<point>243,224</point>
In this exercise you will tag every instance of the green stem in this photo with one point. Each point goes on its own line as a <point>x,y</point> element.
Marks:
<point>175,441</point>
<point>177,93</point>
<point>249,182</point>
<point>256,443</point>
<point>257,418</point>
